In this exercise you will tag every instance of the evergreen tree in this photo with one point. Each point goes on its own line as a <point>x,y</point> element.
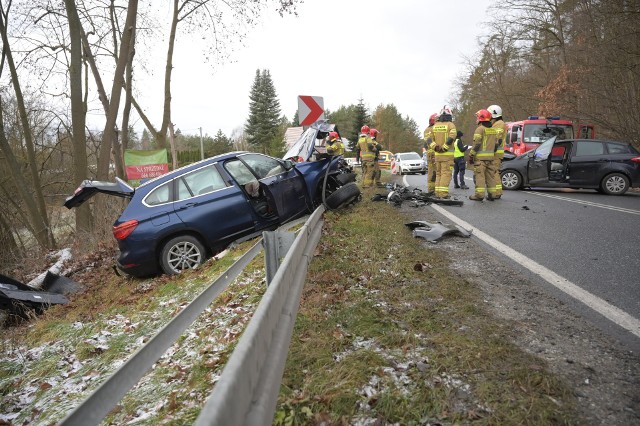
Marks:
<point>296,120</point>
<point>221,144</point>
<point>344,118</point>
<point>264,113</point>
<point>362,116</point>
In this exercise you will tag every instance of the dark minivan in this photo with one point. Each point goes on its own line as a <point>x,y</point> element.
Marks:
<point>609,167</point>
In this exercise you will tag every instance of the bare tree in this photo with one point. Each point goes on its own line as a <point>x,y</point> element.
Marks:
<point>34,201</point>
<point>225,21</point>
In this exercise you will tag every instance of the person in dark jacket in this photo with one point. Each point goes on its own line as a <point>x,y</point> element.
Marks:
<point>459,163</point>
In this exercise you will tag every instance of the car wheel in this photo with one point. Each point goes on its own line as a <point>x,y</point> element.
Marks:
<point>180,253</point>
<point>345,178</point>
<point>343,195</point>
<point>511,179</point>
<point>424,172</point>
<point>614,184</point>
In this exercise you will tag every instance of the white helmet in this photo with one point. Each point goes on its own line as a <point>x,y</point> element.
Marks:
<point>495,111</point>
<point>445,110</point>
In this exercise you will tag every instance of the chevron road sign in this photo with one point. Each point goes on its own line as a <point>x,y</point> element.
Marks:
<point>310,109</point>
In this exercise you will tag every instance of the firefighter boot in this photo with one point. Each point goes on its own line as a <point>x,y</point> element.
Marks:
<point>476,197</point>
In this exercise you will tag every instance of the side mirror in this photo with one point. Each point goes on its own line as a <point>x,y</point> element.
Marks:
<point>288,164</point>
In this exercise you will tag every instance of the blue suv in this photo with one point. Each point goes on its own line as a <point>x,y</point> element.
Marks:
<point>177,220</point>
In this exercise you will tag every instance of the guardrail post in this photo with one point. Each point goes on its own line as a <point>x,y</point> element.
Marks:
<point>276,245</point>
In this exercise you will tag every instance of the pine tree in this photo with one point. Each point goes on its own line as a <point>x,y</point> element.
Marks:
<point>221,144</point>
<point>362,116</point>
<point>264,113</point>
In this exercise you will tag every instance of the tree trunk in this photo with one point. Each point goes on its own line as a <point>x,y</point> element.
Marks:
<point>127,99</point>
<point>78,113</point>
<point>116,90</point>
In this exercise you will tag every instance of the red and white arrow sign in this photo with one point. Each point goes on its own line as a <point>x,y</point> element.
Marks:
<point>310,109</point>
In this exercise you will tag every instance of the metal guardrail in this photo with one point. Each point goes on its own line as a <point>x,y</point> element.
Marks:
<point>247,391</point>
<point>278,301</point>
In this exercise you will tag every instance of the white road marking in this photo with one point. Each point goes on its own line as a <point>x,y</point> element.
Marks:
<point>602,307</point>
<point>587,203</point>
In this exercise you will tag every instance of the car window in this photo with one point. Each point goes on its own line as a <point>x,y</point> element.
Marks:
<point>262,165</point>
<point>542,152</point>
<point>589,148</point>
<point>239,171</point>
<point>410,156</point>
<point>619,148</point>
<point>160,195</point>
<point>199,182</point>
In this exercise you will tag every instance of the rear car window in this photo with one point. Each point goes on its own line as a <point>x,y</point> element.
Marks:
<point>620,148</point>
<point>589,148</point>
<point>160,195</point>
<point>199,182</point>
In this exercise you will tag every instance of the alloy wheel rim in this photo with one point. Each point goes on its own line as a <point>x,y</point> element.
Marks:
<point>184,255</point>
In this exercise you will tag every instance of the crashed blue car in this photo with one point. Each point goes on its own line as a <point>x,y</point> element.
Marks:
<point>177,220</point>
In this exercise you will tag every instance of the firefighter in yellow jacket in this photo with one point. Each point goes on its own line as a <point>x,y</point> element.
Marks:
<point>377,173</point>
<point>431,155</point>
<point>501,127</point>
<point>335,146</point>
<point>482,156</point>
<point>443,136</point>
<point>366,153</point>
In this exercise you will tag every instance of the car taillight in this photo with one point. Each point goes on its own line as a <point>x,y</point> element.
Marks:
<point>636,160</point>
<point>125,229</point>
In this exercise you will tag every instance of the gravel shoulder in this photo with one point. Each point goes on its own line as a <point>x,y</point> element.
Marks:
<point>604,374</point>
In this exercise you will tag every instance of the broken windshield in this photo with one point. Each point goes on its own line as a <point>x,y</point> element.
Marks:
<point>538,133</point>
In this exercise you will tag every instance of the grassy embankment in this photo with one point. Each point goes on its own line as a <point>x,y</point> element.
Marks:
<point>377,339</point>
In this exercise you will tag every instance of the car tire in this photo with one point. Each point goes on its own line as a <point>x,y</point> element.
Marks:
<point>424,172</point>
<point>614,184</point>
<point>511,180</point>
<point>180,253</point>
<point>345,178</point>
<point>343,195</point>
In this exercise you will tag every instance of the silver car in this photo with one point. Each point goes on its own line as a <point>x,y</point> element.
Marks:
<point>410,162</point>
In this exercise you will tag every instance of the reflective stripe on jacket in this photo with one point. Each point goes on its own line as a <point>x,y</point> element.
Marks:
<point>501,128</point>
<point>443,132</point>
<point>484,143</point>
<point>367,149</point>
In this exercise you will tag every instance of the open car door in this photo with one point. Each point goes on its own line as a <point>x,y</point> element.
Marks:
<point>89,188</point>
<point>539,162</point>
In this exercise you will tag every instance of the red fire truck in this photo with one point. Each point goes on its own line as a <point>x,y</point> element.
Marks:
<point>525,135</point>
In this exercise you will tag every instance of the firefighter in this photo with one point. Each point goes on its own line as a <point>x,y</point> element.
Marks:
<point>482,156</point>
<point>501,127</point>
<point>335,145</point>
<point>377,173</point>
<point>459,163</point>
<point>366,153</point>
<point>431,157</point>
<point>443,135</point>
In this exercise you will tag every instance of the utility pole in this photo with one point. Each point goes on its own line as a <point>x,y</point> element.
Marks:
<point>201,146</point>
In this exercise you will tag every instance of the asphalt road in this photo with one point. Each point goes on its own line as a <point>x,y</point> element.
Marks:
<point>586,237</point>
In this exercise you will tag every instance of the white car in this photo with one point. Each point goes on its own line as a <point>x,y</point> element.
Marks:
<point>352,162</point>
<point>410,162</point>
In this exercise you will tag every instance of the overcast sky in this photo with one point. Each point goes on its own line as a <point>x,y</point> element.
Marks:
<point>404,52</point>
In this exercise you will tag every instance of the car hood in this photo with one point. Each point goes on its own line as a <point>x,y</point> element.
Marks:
<point>302,150</point>
<point>89,188</point>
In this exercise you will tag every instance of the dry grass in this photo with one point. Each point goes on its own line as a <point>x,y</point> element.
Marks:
<point>377,341</point>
